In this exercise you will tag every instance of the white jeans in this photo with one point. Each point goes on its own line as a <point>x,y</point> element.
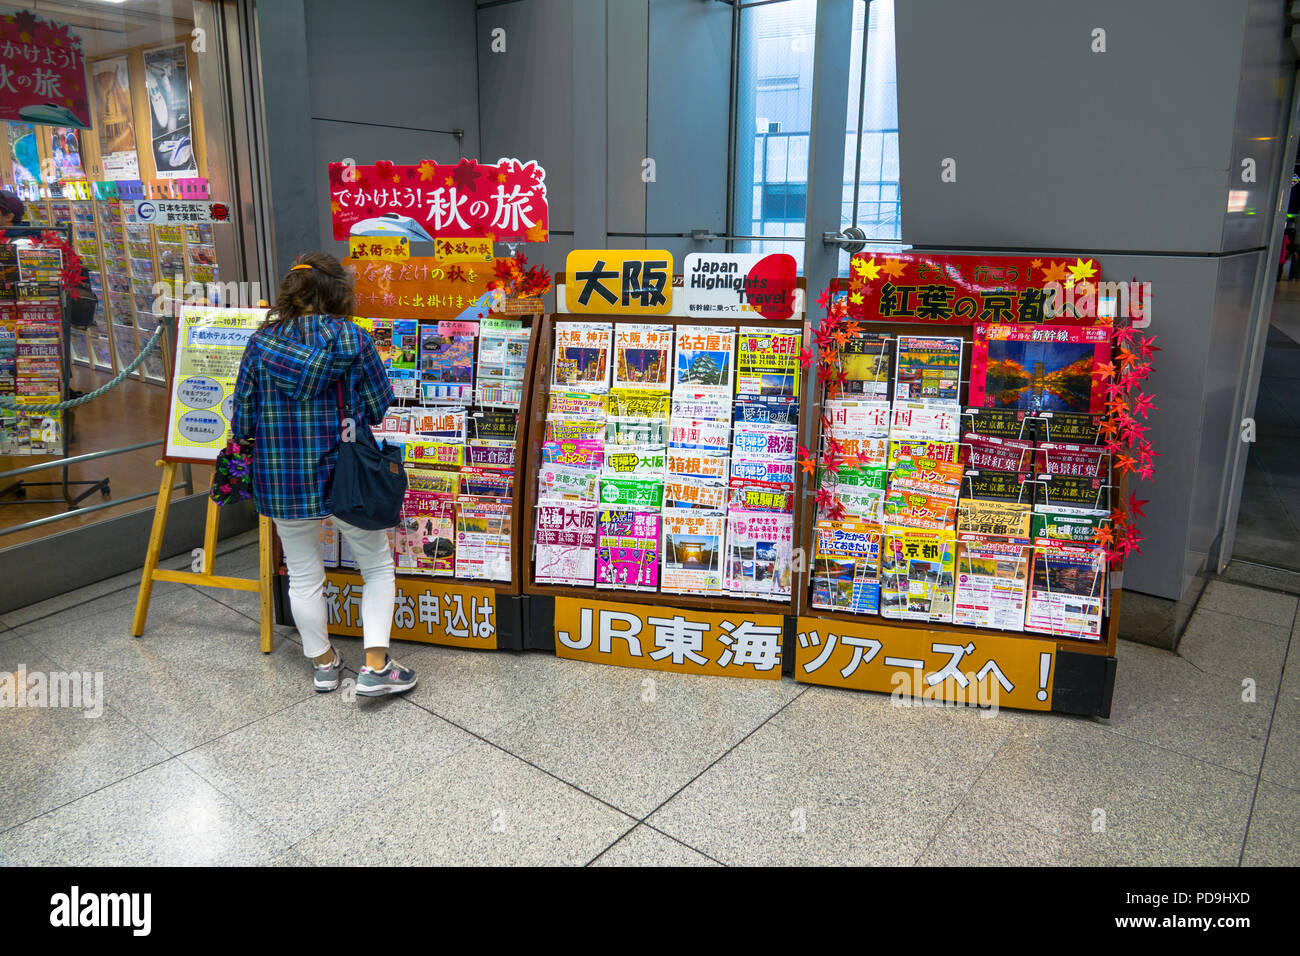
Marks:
<point>305,560</point>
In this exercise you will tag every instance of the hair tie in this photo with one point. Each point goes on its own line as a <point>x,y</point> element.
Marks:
<point>301,265</point>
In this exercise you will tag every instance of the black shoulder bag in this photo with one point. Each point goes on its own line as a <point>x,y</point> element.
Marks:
<point>369,480</point>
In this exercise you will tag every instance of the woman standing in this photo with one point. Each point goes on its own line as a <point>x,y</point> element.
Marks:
<point>305,370</point>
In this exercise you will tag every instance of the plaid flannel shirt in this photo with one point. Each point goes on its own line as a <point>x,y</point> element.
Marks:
<point>287,399</point>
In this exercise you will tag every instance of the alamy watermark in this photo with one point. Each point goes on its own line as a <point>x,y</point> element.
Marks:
<point>231,295</point>
<point>1089,300</point>
<point>76,690</point>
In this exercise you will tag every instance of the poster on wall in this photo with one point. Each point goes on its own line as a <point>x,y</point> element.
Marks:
<point>44,73</point>
<point>167,87</point>
<point>65,150</point>
<point>112,81</point>
<point>210,346</point>
<point>24,157</point>
<point>739,284</point>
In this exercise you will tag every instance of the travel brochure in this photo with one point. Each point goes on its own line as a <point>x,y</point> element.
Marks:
<point>975,506</point>
<point>683,440</point>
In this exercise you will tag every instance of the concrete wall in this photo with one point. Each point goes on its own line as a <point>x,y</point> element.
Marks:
<point>1133,155</point>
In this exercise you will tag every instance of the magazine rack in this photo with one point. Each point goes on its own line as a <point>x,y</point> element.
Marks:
<point>543,627</point>
<point>68,497</point>
<point>1075,675</point>
<point>449,610</point>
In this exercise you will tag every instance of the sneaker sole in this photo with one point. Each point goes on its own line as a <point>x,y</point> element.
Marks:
<point>325,688</point>
<point>386,689</point>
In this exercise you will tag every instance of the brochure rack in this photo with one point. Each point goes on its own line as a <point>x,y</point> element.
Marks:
<point>448,610</point>
<point>871,652</point>
<point>625,626</point>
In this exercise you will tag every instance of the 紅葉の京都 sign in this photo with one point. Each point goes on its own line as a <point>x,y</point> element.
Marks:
<point>429,611</point>
<point>922,664</point>
<point>42,73</point>
<point>739,284</point>
<point>682,640</point>
<point>503,201</point>
<point>964,290</point>
<point>210,345</point>
<point>624,281</point>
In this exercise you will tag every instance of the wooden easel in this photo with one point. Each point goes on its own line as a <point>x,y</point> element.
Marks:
<point>203,578</point>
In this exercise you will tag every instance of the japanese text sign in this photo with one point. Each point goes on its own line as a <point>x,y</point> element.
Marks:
<point>166,212</point>
<point>681,640</point>
<point>210,346</point>
<point>619,281</point>
<point>420,288</point>
<point>396,248</point>
<point>42,73</point>
<point>502,202</point>
<point>926,664</point>
<point>963,290</point>
<point>428,611</point>
<point>740,284</point>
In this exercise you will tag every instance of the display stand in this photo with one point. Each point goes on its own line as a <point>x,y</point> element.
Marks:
<point>202,575</point>
<point>456,612</point>
<point>18,489</point>
<point>738,636</point>
<point>871,652</point>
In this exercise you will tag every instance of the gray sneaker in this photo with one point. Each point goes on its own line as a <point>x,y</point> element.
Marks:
<point>392,678</point>
<point>327,675</point>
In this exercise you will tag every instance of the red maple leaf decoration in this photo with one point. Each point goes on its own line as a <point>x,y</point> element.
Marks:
<point>808,465</point>
<point>1135,504</point>
<point>464,174</point>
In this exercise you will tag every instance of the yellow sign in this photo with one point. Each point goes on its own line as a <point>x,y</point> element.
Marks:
<point>681,640</point>
<point>425,609</point>
<point>395,248</point>
<point>463,250</point>
<point>623,281</point>
<point>924,664</point>
<point>210,345</point>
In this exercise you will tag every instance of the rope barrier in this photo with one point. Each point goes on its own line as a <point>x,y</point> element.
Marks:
<point>11,404</point>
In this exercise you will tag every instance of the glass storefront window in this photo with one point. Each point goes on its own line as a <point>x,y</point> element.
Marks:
<point>79,145</point>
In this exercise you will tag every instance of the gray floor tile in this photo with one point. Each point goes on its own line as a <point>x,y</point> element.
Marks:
<point>1256,575</point>
<point>53,755</point>
<point>478,807</point>
<point>1274,835</point>
<point>1282,759</point>
<point>1256,604</point>
<point>86,602</point>
<point>1119,800</point>
<point>635,737</point>
<point>1234,647</point>
<point>484,690</point>
<point>300,768</point>
<point>1165,700</point>
<point>163,816</point>
<point>197,672</point>
<point>974,838</point>
<point>837,777</point>
<point>646,846</point>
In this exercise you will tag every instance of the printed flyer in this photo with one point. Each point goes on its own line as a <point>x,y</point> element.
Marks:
<point>643,356</point>
<point>581,360</point>
<point>566,545</point>
<point>916,575</point>
<point>1039,368</point>
<point>692,551</point>
<point>759,547</point>
<point>929,369</point>
<point>846,567</point>
<point>1066,592</point>
<point>768,362</point>
<point>627,549</point>
<point>992,579</point>
<point>705,361</point>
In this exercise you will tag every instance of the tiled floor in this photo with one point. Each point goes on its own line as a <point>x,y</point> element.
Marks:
<point>208,752</point>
